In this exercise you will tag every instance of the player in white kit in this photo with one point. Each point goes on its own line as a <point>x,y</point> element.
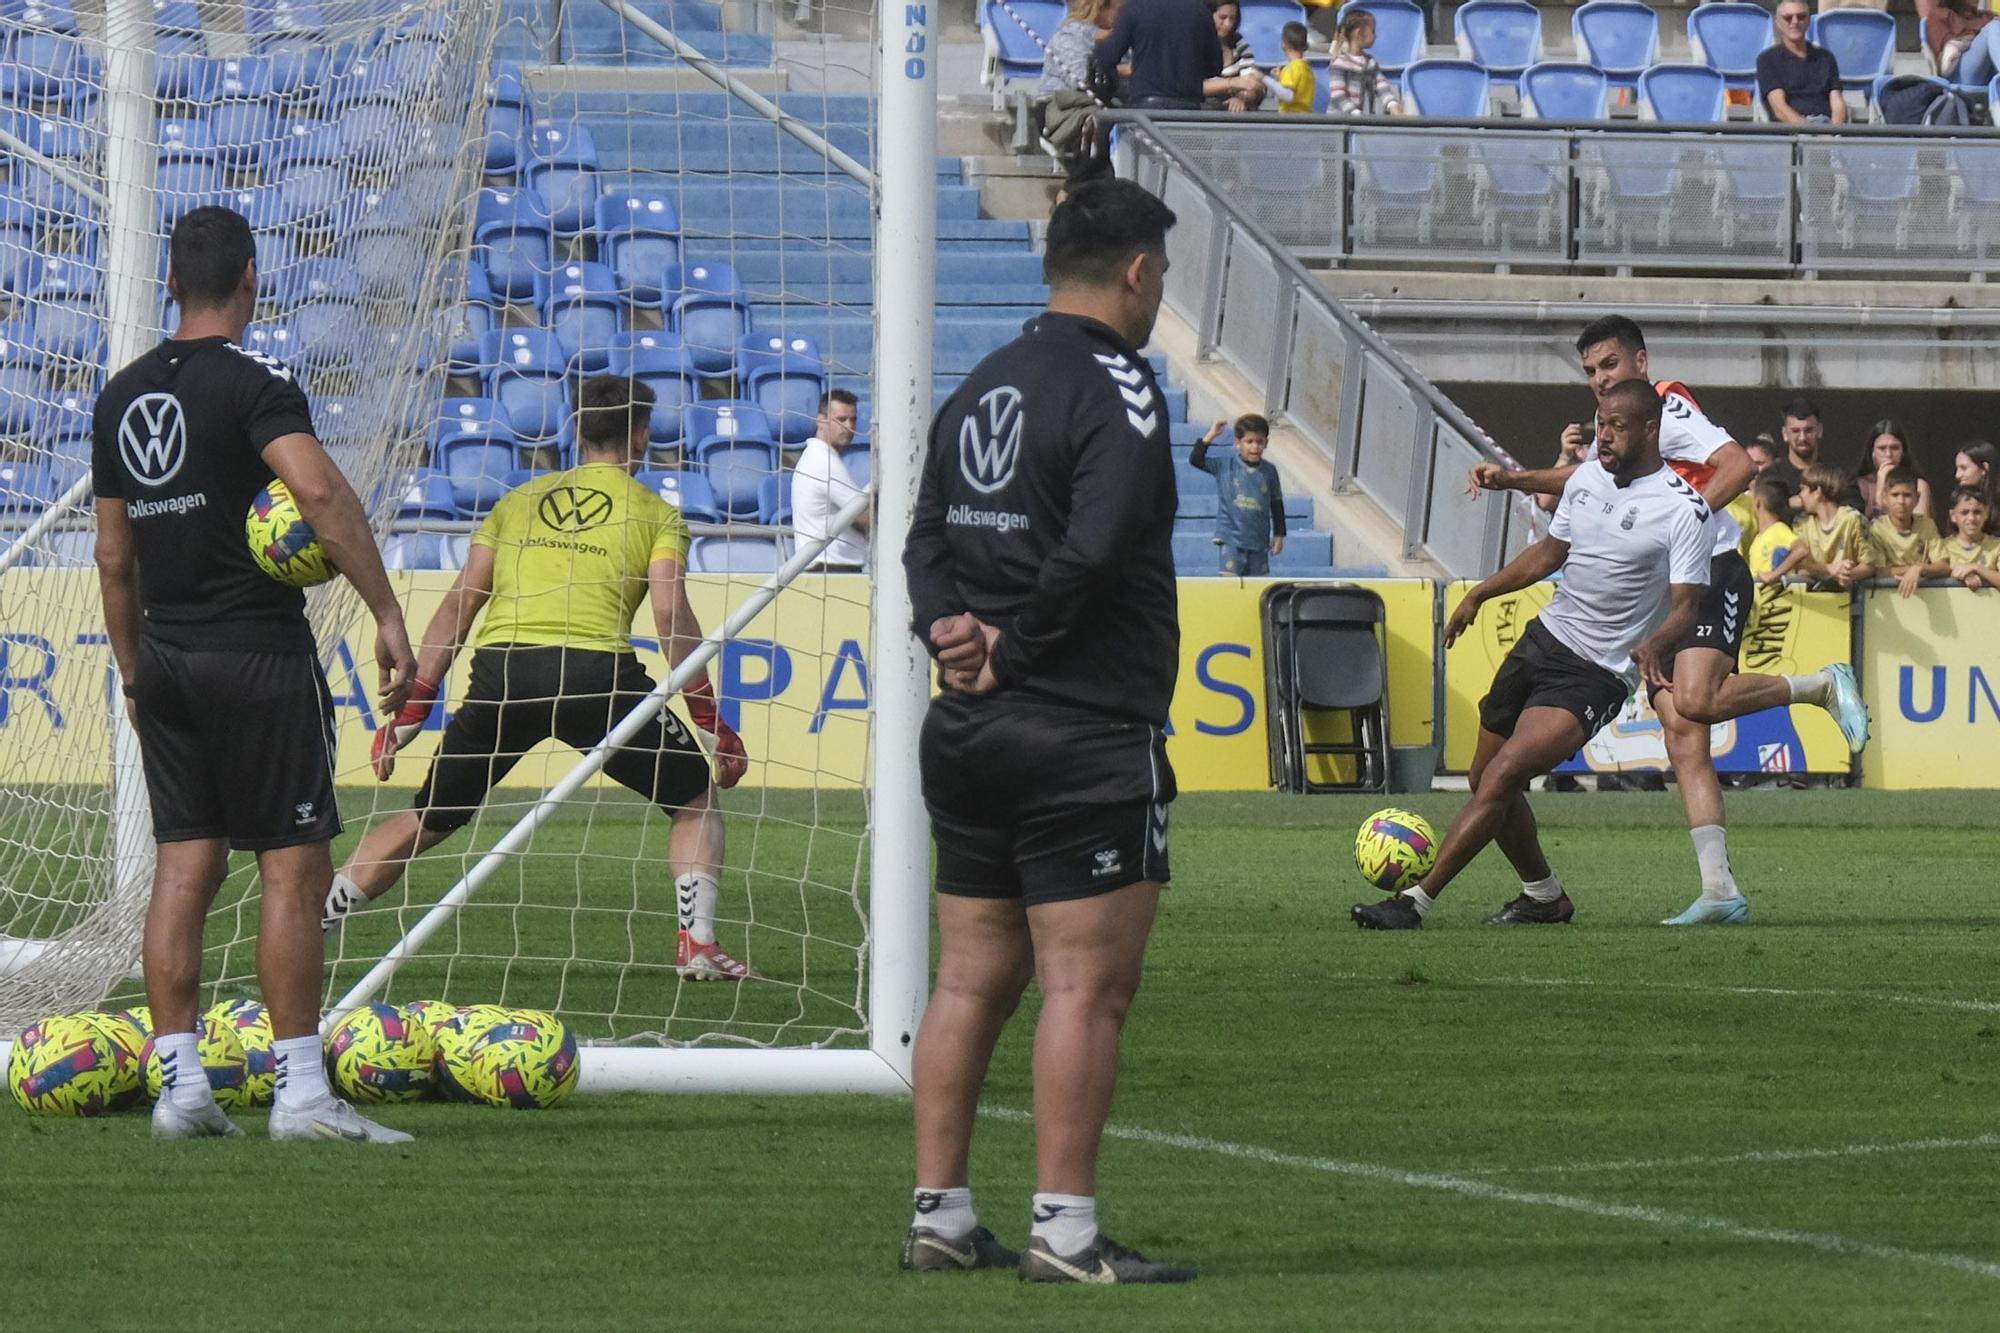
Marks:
<point>1631,538</point>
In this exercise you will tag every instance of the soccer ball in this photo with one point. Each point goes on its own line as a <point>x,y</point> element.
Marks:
<point>455,1036</point>
<point>381,1054</point>
<point>1394,849</point>
<point>430,1012</point>
<point>222,1060</point>
<point>282,542</point>
<point>526,1061</point>
<point>130,1040</point>
<point>65,1065</point>
<point>252,1026</point>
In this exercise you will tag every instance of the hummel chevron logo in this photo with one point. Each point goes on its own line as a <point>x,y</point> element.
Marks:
<point>1130,377</point>
<point>1146,424</point>
<point>1137,397</point>
<point>1118,361</point>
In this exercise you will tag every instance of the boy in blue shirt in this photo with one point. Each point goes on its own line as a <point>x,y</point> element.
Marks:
<point>1250,503</point>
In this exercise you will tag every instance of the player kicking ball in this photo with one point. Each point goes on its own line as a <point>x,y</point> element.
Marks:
<point>1631,538</point>
<point>560,567</point>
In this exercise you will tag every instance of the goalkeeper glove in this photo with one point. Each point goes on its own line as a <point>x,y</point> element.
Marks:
<point>410,721</point>
<point>731,763</point>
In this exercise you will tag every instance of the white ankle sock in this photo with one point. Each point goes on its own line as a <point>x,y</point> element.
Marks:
<point>1711,850</point>
<point>1068,1222</point>
<point>345,896</point>
<point>1422,901</point>
<point>301,1076</point>
<point>697,895</point>
<point>182,1079</point>
<point>1814,687</point>
<point>947,1212</point>
<point>1544,890</point>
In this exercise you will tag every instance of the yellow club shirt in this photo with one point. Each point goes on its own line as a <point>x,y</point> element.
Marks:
<point>1847,539</point>
<point>1745,515</point>
<point>1955,552</point>
<point>570,555</point>
<point>1301,85</point>
<point>1898,550</point>
<point>1769,548</point>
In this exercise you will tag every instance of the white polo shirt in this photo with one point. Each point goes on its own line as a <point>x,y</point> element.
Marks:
<point>822,487</point>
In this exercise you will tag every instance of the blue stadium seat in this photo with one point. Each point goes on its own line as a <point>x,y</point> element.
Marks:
<point>1728,38</point>
<point>279,19</point>
<point>725,419</point>
<point>21,394</point>
<point>242,130</point>
<point>710,314</point>
<point>785,377</point>
<point>476,456</point>
<point>735,468</point>
<point>1524,186</point>
<point>47,15</point>
<point>657,359</point>
<point>1263,24</point>
<point>1637,187</point>
<point>1561,90</point>
<point>639,236</point>
<point>63,306</point>
<point>427,495</point>
<point>585,309</point>
<point>27,486</point>
<point>1447,89</point>
<point>527,374</point>
<point>272,338</point>
<point>860,460</point>
<point>686,491</point>
<point>1757,183</point>
<point>327,333</point>
<point>735,555</point>
<point>1620,37</point>
<point>1875,87</point>
<point>425,550</point>
<point>509,113</point>
<point>562,169</point>
<point>1687,94</point>
<point>514,242</point>
<point>1881,187</point>
<point>1399,32</point>
<point>1015,53</point>
<point>1503,35</point>
<point>774,501</point>
<point>46,67</point>
<point>1863,42</point>
<point>20,259</point>
<point>468,322</point>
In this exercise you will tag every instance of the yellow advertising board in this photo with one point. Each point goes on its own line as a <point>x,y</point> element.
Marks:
<point>1792,631</point>
<point>1931,677</point>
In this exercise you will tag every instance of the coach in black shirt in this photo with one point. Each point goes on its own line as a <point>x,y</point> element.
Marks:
<point>1797,80</point>
<point>1041,569</point>
<point>1173,47</point>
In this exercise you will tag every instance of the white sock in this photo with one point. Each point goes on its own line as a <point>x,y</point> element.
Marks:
<point>301,1076</point>
<point>1068,1222</point>
<point>1718,885</point>
<point>947,1212</point>
<point>1815,687</point>
<point>1423,901</point>
<point>345,896</point>
<point>698,895</point>
<point>182,1079</point>
<point>1544,890</point>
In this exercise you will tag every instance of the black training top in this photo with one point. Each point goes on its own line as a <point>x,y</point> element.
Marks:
<point>1173,47</point>
<point>1809,83</point>
<point>1047,510</point>
<point>179,436</point>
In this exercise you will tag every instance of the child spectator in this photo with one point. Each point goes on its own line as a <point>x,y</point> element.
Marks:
<point>1775,538</point>
<point>1904,536</point>
<point>1835,544</point>
<point>1763,452</point>
<point>1888,449</point>
<point>1250,503</point>
<point>1969,555</point>
<point>1356,85</point>
<point>1297,85</point>
<point>1974,467</point>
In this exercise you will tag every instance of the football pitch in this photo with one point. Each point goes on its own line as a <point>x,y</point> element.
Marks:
<point>1602,1125</point>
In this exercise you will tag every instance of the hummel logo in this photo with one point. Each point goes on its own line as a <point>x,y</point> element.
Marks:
<point>304,810</point>
<point>1109,862</point>
<point>1157,828</point>
<point>1130,377</point>
<point>1115,360</point>
<point>1146,424</point>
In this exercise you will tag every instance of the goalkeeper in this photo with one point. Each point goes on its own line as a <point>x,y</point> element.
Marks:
<point>560,567</point>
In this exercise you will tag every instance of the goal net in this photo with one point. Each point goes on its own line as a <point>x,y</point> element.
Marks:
<point>463,211</point>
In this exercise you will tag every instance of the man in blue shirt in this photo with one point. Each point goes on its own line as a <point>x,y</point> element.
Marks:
<point>1799,81</point>
<point>1249,501</point>
<point>1174,52</point>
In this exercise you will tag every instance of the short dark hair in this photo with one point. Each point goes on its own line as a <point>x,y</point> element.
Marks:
<point>1252,424</point>
<point>1825,478</point>
<point>611,408</point>
<point>1773,493</point>
<point>210,248</point>
<point>1635,396</point>
<point>1611,328</point>
<point>1959,493</point>
<point>1899,476</point>
<point>1096,230</point>
<point>1293,36</point>
<point>1802,409</point>
<point>844,397</point>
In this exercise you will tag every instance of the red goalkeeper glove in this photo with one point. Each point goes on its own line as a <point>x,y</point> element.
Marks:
<point>389,739</point>
<point>731,763</point>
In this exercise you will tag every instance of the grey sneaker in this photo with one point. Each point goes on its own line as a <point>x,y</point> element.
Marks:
<point>175,1122</point>
<point>927,1251</point>
<point>1103,1263</point>
<point>1846,706</point>
<point>331,1119</point>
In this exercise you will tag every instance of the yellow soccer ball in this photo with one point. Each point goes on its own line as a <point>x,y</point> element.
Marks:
<point>381,1054</point>
<point>527,1061</point>
<point>252,1025</point>
<point>281,541</point>
<point>130,1040</point>
<point>430,1012</point>
<point>66,1065</point>
<point>1394,849</point>
<point>455,1036</point>
<point>222,1059</point>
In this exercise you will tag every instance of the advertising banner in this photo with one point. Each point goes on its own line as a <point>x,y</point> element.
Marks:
<point>1931,676</point>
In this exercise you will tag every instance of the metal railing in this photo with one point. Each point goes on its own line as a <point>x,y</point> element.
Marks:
<point>1388,431</point>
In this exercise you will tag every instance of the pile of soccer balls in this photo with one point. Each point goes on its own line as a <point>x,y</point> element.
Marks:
<point>93,1063</point>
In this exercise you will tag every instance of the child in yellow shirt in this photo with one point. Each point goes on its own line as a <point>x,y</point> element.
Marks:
<point>1771,501</point>
<point>1903,538</point>
<point>1836,545</point>
<point>1968,555</point>
<point>1296,81</point>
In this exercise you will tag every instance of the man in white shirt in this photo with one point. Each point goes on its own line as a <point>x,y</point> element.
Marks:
<point>822,486</point>
<point>1631,538</point>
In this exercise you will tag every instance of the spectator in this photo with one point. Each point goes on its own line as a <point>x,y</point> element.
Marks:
<point>1835,544</point>
<point>1240,86</point>
<point>1296,85</point>
<point>1066,65</point>
<point>1802,431</point>
<point>1888,450</point>
<point>1974,467</point>
<point>1905,538</point>
<point>1250,503</point>
<point>1799,81</point>
<point>1950,30</point>
<point>822,486</point>
<point>1775,537</point>
<point>1355,84</point>
<point>1073,87</point>
<point>1763,452</point>
<point>1174,52</point>
<point>1971,554</point>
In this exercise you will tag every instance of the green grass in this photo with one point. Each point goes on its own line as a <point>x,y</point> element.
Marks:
<point>1861,1009</point>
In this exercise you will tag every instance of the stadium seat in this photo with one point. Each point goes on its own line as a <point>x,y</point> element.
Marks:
<point>514,242</point>
<point>526,372</point>
<point>726,419</point>
<point>476,454</point>
<point>327,333</point>
<point>787,379</point>
<point>1728,38</point>
<point>562,169</point>
<point>425,550</point>
<point>1015,53</point>
<point>29,485</point>
<point>1561,90</point>
<point>21,394</point>
<point>1683,94</point>
<point>46,67</point>
<point>1635,188</point>
<point>1395,175</point>
<point>735,555</point>
<point>508,116</point>
<point>271,338</point>
<point>585,310</point>
<point>710,314</point>
<point>686,491</point>
<point>657,359</point>
<point>1620,37</point>
<point>1937,85</point>
<point>860,460</point>
<point>1399,32</point>
<point>1505,36</point>
<point>774,501</point>
<point>1754,199</point>
<point>1877,188</point>
<point>1263,24</point>
<point>639,236</point>
<point>735,466</point>
<point>64,306</point>
<point>57,16</point>
<point>1523,187</point>
<point>20,261</point>
<point>1863,42</point>
<point>427,495</point>
<point>1447,89</point>
<point>242,130</point>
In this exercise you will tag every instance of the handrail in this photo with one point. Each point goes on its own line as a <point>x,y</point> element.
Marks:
<point>1747,128</point>
<point>744,93</point>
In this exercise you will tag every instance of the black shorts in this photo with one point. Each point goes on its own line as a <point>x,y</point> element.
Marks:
<point>521,696</point>
<point>1544,672</point>
<point>237,745</point>
<point>1724,616</point>
<point>1043,802</point>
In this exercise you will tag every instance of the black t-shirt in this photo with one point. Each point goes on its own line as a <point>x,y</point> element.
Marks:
<point>1047,510</point>
<point>1173,47</point>
<point>1809,85</point>
<point>179,436</point>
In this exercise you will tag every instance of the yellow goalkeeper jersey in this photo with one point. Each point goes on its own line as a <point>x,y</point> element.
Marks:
<point>570,555</point>
<point>1899,550</point>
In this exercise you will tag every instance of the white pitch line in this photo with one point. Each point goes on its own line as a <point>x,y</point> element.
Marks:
<point>1701,988</point>
<point>1824,1241</point>
<point>1738,1158</point>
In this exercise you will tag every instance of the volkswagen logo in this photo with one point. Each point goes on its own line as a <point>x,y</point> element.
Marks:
<point>989,440</point>
<point>152,438</point>
<point>574,508</point>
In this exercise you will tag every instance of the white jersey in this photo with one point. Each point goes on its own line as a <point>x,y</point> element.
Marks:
<point>821,488</point>
<point>1626,545</point>
<point>1688,441</point>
